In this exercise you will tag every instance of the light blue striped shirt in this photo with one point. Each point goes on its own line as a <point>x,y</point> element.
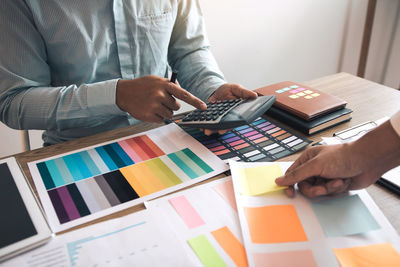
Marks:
<point>60,60</point>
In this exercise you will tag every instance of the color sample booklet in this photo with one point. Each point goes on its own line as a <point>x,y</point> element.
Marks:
<point>346,230</point>
<point>92,182</point>
<point>302,101</point>
<point>261,140</point>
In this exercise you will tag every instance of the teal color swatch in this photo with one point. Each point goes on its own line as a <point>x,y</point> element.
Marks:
<point>344,216</point>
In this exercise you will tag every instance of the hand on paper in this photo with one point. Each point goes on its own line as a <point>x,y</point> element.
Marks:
<point>152,98</point>
<point>229,91</point>
<point>325,170</point>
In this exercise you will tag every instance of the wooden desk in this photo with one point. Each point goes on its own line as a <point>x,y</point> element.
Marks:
<point>369,101</point>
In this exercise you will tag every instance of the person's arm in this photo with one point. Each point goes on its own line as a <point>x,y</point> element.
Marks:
<point>334,169</point>
<point>27,98</point>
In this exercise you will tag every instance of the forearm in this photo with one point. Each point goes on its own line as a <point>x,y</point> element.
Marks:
<point>379,149</point>
<point>60,108</point>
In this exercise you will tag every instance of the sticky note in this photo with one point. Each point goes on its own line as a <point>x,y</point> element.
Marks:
<point>372,255</point>
<point>206,252</point>
<point>285,258</point>
<point>259,180</point>
<point>344,216</point>
<point>274,224</point>
<point>232,246</point>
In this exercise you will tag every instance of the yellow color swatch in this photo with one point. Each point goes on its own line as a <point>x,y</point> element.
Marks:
<point>372,255</point>
<point>259,180</point>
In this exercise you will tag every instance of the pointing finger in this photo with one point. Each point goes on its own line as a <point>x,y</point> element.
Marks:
<point>184,95</point>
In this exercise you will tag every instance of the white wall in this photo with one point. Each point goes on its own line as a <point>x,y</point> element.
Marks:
<point>258,42</point>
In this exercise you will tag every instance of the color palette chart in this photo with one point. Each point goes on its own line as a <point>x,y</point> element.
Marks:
<point>205,221</point>
<point>261,140</point>
<point>340,230</point>
<point>85,184</point>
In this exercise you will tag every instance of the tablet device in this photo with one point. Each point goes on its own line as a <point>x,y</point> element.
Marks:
<point>22,225</point>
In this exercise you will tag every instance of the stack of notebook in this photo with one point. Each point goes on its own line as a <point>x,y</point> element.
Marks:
<point>304,108</point>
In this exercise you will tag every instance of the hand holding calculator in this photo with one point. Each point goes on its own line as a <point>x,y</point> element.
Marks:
<point>228,114</point>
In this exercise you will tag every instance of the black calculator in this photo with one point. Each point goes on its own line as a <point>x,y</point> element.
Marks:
<point>228,114</point>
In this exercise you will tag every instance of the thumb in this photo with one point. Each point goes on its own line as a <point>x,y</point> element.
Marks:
<point>298,174</point>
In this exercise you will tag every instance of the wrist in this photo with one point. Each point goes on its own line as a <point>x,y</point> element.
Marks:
<point>379,149</point>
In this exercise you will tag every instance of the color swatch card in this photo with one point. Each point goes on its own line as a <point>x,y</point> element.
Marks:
<point>95,181</point>
<point>261,140</point>
<point>204,218</point>
<point>343,230</point>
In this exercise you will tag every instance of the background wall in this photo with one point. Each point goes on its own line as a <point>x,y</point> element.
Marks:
<point>259,42</point>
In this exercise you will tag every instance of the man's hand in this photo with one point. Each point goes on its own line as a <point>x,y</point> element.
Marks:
<point>152,99</point>
<point>229,91</point>
<point>333,169</point>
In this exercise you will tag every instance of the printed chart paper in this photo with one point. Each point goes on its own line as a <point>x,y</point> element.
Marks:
<point>205,222</point>
<point>134,240</point>
<point>326,231</point>
<point>86,184</point>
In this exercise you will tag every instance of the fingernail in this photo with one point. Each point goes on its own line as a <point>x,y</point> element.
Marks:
<point>278,180</point>
<point>319,192</point>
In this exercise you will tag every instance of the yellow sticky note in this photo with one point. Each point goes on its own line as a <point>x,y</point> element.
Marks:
<point>259,180</point>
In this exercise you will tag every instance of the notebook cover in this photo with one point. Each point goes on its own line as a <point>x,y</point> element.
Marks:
<point>313,126</point>
<point>302,101</point>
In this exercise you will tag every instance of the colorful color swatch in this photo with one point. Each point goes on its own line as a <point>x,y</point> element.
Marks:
<point>225,190</point>
<point>344,216</point>
<point>186,211</point>
<point>274,224</point>
<point>77,166</point>
<point>89,181</point>
<point>231,245</point>
<point>259,180</point>
<point>258,141</point>
<point>368,256</point>
<point>206,252</point>
<point>285,258</point>
<point>296,91</point>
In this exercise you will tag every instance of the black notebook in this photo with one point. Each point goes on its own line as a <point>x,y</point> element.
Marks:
<point>311,126</point>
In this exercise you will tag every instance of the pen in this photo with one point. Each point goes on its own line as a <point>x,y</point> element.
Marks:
<point>173,76</point>
<point>172,80</point>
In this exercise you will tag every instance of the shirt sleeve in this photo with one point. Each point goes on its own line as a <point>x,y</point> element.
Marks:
<point>189,52</point>
<point>27,98</point>
<point>395,121</point>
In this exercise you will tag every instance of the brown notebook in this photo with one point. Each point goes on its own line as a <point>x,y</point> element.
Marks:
<point>303,101</point>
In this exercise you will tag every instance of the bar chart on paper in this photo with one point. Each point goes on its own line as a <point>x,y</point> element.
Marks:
<point>96,181</point>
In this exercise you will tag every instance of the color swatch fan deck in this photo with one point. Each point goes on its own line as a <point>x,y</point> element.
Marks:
<point>89,183</point>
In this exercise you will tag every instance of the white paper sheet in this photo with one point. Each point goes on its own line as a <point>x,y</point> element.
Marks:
<point>134,240</point>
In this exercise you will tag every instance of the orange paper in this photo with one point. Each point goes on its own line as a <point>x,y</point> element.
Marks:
<point>231,245</point>
<point>372,255</point>
<point>274,224</point>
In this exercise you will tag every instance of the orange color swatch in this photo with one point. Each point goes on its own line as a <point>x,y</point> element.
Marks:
<point>274,224</point>
<point>231,245</point>
<point>372,255</point>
